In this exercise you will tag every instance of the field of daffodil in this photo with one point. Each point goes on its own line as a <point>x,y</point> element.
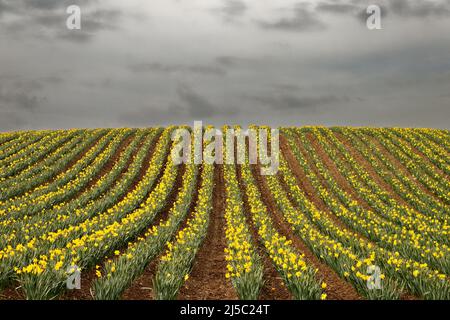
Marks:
<point>352,213</point>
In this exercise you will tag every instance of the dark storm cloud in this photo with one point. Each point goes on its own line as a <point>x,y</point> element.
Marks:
<point>18,100</point>
<point>21,100</point>
<point>420,9</point>
<point>180,60</point>
<point>176,68</point>
<point>336,7</point>
<point>51,16</point>
<point>232,9</point>
<point>153,116</point>
<point>53,4</point>
<point>287,87</point>
<point>3,7</point>
<point>20,95</point>
<point>43,4</point>
<point>232,61</point>
<point>289,101</point>
<point>197,105</point>
<point>10,120</point>
<point>304,19</point>
<point>404,8</point>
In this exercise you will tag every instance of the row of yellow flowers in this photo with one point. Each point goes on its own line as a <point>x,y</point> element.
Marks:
<point>400,182</point>
<point>47,169</point>
<point>300,278</point>
<point>14,148</point>
<point>117,274</point>
<point>102,195</point>
<point>175,265</point>
<point>62,177</point>
<point>7,139</point>
<point>392,215</point>
<point>44,148</point>
<point>48,161</point>
<point>421,170</point>
<point>440,137</point>
<point>410,242</point>
<point>435,153</point>
<point>96,242</point>
<point>73,236</point>
<point>417,277</point>
<point>40,202</point>
<point>31,148</point>
<point>244,265</point>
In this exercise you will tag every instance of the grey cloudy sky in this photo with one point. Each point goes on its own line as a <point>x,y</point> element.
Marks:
<point>278,62</point>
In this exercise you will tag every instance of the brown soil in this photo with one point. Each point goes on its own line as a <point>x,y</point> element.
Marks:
<point>207,280</point>
<point>13,292</point>
<point>274,287</point>
<point>85,293</point>
<point>142,287</point>
<point>337,289</point>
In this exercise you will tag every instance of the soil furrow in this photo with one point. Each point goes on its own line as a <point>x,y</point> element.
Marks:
<point>207,280</point>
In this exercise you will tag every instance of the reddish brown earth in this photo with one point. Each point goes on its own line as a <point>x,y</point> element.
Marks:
<point>207,280</point>
<point>13,292</point>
